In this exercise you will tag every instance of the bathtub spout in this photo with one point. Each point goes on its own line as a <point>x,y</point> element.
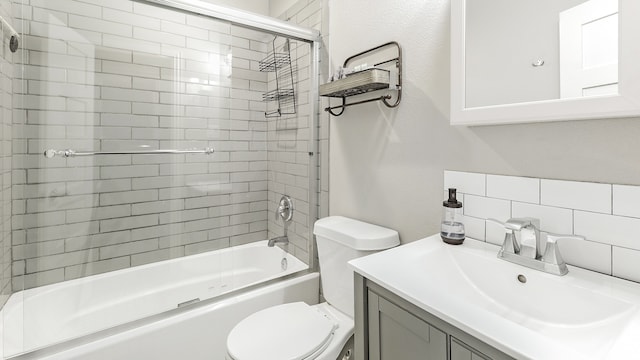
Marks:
<point>277,240</point>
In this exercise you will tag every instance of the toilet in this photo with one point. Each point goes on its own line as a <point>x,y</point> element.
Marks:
<point>297,331</point>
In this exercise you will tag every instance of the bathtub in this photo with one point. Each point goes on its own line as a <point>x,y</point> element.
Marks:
<point>180,308</point>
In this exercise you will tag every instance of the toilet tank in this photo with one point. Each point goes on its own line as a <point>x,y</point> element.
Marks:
<point>339,240</point>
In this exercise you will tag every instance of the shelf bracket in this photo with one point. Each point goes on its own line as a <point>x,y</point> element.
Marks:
<point>345,105</point>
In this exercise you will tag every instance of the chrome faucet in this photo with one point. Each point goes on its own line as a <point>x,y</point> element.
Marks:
<point>529,235</point>
<point>284,212</point>
<point>278,240</point>
<point>527,251</point>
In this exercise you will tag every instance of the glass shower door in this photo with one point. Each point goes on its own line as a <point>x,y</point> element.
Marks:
<point>113,82</point>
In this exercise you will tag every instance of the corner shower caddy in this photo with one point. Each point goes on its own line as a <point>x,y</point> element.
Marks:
<point>365,81</point>
<point>283,95</point>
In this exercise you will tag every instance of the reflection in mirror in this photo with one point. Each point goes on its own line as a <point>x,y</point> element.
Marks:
<point>534,50</point>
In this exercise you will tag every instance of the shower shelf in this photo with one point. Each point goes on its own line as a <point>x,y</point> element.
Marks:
<point>283,96</point>
<point>365,81</point>
<point>278,94</point>
<point>274,62</point>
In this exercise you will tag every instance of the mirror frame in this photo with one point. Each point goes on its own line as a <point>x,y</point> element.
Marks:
<point>625,104</point>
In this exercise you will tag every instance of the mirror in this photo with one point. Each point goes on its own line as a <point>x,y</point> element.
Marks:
<point>543,60</point>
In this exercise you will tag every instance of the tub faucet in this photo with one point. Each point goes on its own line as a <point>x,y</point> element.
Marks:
<point>285,213</point>
<point>278,240</point>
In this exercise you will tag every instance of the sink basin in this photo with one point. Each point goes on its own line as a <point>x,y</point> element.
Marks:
<point>529,295</point>
<point>523,312</point>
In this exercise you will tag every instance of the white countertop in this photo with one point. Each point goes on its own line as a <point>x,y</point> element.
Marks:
<point>438,278</point>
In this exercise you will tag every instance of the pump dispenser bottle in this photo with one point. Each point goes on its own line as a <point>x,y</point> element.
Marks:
<point>451,227</point>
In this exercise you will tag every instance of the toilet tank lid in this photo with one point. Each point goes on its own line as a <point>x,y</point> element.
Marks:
<point>356,234</point>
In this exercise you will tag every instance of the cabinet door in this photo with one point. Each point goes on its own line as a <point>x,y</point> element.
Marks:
<point>394,334</point>
<point>460,351</point>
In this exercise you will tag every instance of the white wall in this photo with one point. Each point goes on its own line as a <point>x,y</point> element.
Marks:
<point>387,165</point>
<point>278,7</point>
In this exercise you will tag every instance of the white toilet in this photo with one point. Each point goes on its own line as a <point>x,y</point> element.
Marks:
<point>297,331</point>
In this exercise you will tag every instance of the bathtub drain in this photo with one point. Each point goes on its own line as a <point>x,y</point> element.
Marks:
<point>284,264</point>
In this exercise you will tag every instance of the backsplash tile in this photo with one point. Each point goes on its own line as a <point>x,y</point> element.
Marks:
<point>494,233</point>
<point>606,215</point>
<point>586,254</point>
<point>608,229</point>
<point>514,188</point>
<point>484,207</point>
<point>576,195</point>
<point>468,183</point>
<point>625,263</point>
<point>626,200</point>
<point>474,227</point>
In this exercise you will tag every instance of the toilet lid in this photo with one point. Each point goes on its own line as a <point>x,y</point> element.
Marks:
<point>285,332</point>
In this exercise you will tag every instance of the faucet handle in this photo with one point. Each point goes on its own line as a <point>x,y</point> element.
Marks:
<point>510,244</point>
<point>552,252</point>
<point>517,224</point>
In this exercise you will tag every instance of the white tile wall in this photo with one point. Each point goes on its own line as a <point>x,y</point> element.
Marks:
<point>119,75</point>
<point>467,183</point>
<point>626,200</point>
<point>605,215</point>
<point>571,195</point>
<point>625,263</point>
<point>513,188</point>
<point>287,141</point>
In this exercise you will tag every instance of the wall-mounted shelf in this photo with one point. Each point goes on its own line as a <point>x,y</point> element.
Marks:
<point>357,83</point>
<point>369,80</point>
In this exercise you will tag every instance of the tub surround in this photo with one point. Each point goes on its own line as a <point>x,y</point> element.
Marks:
<point>606,215</point>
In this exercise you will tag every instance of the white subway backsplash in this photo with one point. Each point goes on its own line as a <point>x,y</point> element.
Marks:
<point>606,215</point>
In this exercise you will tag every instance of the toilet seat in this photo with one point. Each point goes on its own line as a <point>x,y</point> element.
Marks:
<point>294,331</point>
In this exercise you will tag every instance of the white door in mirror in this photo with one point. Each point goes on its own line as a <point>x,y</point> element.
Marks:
<point>589,49</point>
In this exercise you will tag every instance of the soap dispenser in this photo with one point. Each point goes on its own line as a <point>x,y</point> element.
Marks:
<point>451,227</point>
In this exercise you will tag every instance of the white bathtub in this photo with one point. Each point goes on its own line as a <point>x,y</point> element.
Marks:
<point>56,313</point>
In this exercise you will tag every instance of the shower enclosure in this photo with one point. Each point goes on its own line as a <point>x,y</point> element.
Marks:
<point>144,131</point>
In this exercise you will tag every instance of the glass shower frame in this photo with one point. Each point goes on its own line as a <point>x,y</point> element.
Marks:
<point>283,29</point>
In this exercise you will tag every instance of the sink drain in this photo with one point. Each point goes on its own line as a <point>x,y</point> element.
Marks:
<point>522,278</point>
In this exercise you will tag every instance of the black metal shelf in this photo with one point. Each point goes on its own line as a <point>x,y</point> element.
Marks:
<point>366,81</point>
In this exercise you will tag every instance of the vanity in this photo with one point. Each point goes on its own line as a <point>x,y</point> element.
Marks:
<point>430,300</point>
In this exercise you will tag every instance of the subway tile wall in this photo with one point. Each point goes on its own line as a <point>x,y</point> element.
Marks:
<point>6,94</point>
<point>119,75</point>
<point>290,163</point>
<point>605,215</point>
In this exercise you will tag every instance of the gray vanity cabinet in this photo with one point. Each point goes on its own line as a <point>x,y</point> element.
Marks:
<point>388,327</point>
<point>393,330</point>
<point>460,351</point>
